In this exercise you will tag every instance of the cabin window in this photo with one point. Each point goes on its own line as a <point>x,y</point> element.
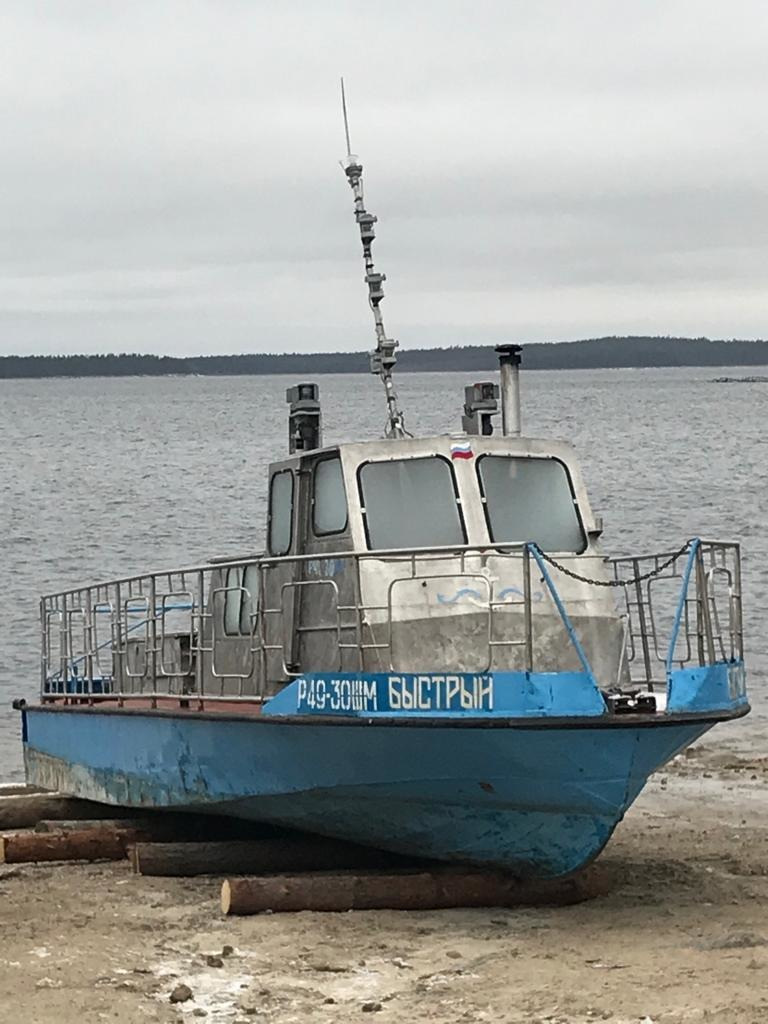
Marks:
<point>329,500</point>
<point>530,499</point>
<point>250,598</point>
<point>233,596</point>
<point>281,513</point>
<point>410,503</point>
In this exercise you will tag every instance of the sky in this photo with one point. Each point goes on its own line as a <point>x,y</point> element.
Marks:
<point>170,179</point>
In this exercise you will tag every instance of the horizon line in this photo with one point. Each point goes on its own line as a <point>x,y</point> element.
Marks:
<point>490,346</point>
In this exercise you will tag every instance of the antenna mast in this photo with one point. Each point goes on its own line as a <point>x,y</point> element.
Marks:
<point>383,357</point>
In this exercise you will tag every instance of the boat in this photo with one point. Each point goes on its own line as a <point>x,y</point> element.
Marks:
<point>432,655</point>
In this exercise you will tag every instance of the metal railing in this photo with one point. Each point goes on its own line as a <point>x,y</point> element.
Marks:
<point>688,613</point>
<point>238,630</point>
<point>164,634</point>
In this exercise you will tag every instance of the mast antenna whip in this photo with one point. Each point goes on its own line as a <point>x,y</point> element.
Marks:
<point>383,357</point>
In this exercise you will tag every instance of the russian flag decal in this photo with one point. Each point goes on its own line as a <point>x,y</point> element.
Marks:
<point>462,451</point>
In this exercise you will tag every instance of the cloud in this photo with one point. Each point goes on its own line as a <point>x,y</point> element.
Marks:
<point>170,179</point>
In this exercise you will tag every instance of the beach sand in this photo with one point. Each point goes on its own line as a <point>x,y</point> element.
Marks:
<point>682,936</point>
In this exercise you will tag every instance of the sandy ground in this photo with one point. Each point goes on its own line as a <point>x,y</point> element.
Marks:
<point>683,936</point>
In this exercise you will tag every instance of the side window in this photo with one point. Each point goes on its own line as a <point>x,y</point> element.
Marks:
<point>250,598</point>
<point>411,503</point>
<point>329,499</point>
<point>281,513</point>
<point>232,601</point>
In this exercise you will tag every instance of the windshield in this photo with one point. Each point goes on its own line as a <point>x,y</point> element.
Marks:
<point>530,499</point>
<point>410,503</point>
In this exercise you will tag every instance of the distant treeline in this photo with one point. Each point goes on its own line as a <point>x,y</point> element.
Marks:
<point>595,353</point>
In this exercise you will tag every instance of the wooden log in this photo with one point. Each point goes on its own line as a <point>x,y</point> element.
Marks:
<point>428,890</point>
<point>19,789</point>
<point>24,810</point>
<point>87,844</point>
<point>134,824</point>
<point>295,853</point>
<point>83,840</point>
<point>160,828</point>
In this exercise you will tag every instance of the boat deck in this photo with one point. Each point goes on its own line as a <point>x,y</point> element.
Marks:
<point>239,706</point>
<point>252,710</point>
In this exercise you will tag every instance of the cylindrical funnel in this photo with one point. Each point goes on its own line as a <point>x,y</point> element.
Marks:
<point>509,368</point>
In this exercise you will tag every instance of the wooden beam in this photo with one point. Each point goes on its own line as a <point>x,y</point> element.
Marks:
<point>158,827</point>
<point>19,789</point>
<point>427,890</point>
<point>104,839</point>
<point>86,844</point>
<point>24,810</point>
<point>147,825</point>
<point>27,810</point>
<point>299,853</point>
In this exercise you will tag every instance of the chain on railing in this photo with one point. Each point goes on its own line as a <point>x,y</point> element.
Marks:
<point>657,571</point>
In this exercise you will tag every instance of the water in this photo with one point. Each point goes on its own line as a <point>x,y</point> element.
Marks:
<point>104,477</point>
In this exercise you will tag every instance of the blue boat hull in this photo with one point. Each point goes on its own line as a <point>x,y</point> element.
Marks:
<point>540,799</point>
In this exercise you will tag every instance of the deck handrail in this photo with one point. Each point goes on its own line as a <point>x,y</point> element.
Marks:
<point>696,622</point>
<point>149,654</point>
<point>365,553</point>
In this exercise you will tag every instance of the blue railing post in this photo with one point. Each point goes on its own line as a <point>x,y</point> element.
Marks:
<point>533,548</point>
<point>695,545</point>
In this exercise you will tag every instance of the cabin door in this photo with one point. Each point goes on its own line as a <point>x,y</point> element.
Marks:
<point>284,539</point>
<point>309,619</point>
<point>327,591</point>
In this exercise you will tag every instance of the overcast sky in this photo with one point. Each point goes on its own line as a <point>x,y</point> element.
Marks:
<point>169,177</point>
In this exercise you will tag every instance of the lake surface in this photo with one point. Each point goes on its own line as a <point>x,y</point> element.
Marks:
<point>105,477</point>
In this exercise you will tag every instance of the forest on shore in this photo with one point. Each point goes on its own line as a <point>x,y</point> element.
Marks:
<point>589,354</point>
